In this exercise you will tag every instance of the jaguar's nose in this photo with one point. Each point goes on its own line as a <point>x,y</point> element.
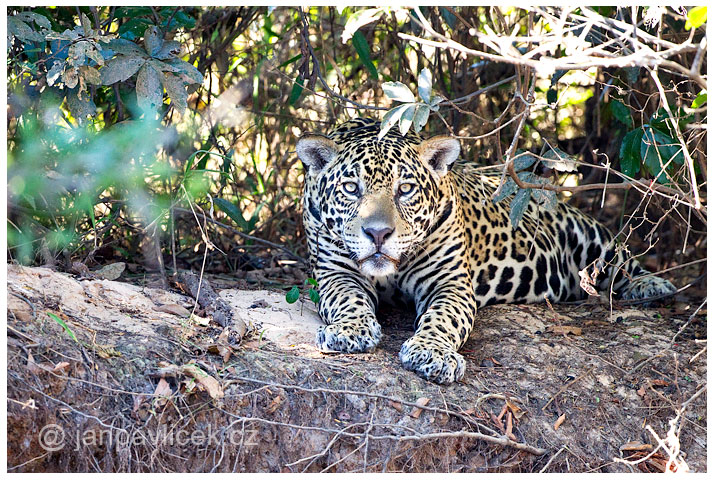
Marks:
<point>378,235</point>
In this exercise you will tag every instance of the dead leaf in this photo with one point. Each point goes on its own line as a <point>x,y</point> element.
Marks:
<point>207,382</point>
<point>21,310</point>
<point>658,382</point>
<point>111,271</point>
<point>259,304</point>
<point>61,366</point>
<point>517,411</point>
<point>202,321</point>
<point>274,404</point>
<point>80,269</point>
<point>31,365</point>
<point>222,346</point>
<point>397,406</point>
<point>162,388</point>
<point>173,309</point>
<point>162,392</point>
<point>635,445</point>
<point>559,422</point>
<point>422,402</point>
<point>107,351</point>
<point>504,410</point>
<point>223,350</point>
<point>509,427</point>
<point>641,392</point>
<point>138,402</point>
<point>564,329</point>
<point>587,283</point>
<point>496,421</point>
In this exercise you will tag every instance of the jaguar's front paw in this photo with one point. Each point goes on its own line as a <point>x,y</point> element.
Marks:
<point>348,338</point>
<point>647,286</point>
<point>432,360</point>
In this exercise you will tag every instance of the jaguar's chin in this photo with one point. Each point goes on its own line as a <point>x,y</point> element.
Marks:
<point>378,265</point>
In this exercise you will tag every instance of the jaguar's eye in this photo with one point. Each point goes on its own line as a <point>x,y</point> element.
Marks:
<point>350,188</point>
<point>406,188</point>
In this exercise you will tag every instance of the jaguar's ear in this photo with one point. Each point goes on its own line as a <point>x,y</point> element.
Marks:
<point>439,153</point>
<point>315,151</point>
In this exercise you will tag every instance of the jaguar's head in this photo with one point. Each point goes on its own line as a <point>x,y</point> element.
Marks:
<point>380,198</point>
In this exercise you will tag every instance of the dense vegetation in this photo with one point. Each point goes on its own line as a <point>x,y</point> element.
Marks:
<point>155,135</point>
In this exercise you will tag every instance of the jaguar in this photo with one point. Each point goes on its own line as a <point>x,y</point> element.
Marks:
<point>404,221</point>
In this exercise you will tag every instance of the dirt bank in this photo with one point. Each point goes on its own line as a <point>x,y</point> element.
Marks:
<point>108,376</point>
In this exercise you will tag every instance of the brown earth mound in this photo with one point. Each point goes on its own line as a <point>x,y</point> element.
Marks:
<point>107,376</point>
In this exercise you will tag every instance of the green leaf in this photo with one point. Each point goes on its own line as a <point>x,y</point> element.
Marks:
<point>630,158</point>
<point>293,295</point>
<point>22,31</point>
<point>519,205</point>
<point>509,187</point>
<point>188,72</point>
<point>54,72</point>
<point>424,85</point>
<point>168,50</point>
<point>523,160</point>
<point>160,66</point>
<point>405,121</point>
<point>86,24</point>
<point>696,17</point>
<point>296,91</point>
<point>621,112</point>
<point>435,101</point>
<point>700,100</point>
<point>545,198</point>
<point>362,47</point>
<point>176,90</point>
<point>62,324</point>
<point>314,295</point>
<point>125,47</point>
<point>551,96</point>
<point>232,211</point>
<point>657,149</point>
<point>398,91</point>
<point>152,40</point>
<point>81,108</point>
<point>120,68</point>
<point>131,12</point>
<point>557,75</point>
<point>96,56</point>
<point>661,120</point>
<point>40,20</point>
<point>421,116</point>
<point>558,160</point>
<point>77,53</point>
<point>392,117</point>
<point>311,281</point>
<point>449,17</point>
<point>149,90</point>
<point>288,61</point>
<point>134,27</point>
<point>359,19</point>
<point>184,20</point>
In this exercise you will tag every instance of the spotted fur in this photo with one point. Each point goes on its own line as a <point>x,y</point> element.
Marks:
<point>391,221</point>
